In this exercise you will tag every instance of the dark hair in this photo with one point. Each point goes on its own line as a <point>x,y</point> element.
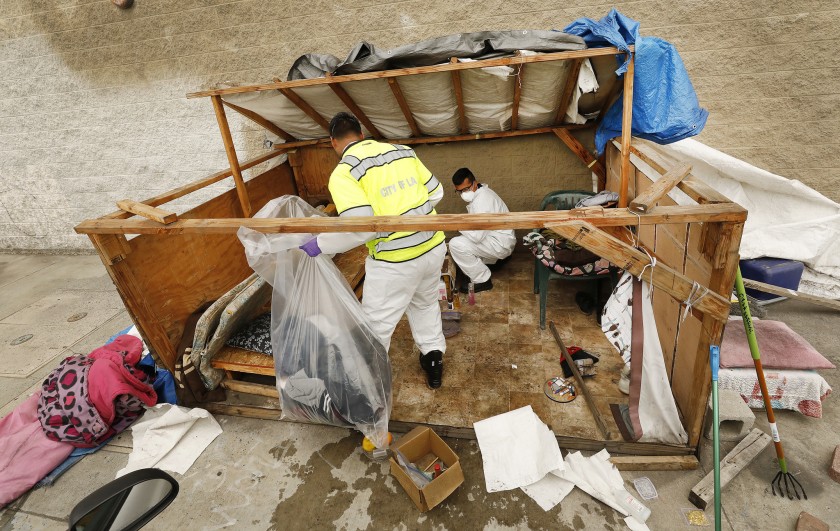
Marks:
<point>344,124</point>
<point>462,175</point>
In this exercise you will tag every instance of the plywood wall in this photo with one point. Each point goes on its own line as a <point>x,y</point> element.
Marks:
<point>685,340</point>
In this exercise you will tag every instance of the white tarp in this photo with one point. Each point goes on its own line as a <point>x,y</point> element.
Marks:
<point>787,219</point>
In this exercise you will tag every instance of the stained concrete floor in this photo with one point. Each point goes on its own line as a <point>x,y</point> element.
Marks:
<point>277,475</point>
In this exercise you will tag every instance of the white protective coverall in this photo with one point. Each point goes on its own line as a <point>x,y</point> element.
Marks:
<point>474,249</point>
<point>393,289</point>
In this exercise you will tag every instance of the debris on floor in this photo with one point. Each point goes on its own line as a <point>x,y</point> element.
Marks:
<point>170,438</point>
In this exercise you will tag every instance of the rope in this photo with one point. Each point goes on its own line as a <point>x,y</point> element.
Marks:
<point>693,298</point>
<point>650,265</point>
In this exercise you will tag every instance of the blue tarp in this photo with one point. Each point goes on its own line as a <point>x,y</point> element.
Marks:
<point>665,106</point>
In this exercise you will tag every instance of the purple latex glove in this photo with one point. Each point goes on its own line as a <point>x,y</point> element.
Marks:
<point>311,247</point>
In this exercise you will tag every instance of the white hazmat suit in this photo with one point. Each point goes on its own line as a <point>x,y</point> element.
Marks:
<point>474,249</point>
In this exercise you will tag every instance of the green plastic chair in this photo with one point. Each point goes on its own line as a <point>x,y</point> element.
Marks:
<point>565,200</point>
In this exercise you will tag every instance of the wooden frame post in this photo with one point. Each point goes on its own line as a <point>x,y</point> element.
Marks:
<point>356,110</point>
<point>224,128</point>
<point>585,156</point>
<point>568,88</point>
<point>459,99</point>
<point>406,110</point>
<point>517,96</point>
<point>626,132</point>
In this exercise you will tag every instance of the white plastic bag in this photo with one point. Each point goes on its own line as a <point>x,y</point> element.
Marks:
<point>331,367</point>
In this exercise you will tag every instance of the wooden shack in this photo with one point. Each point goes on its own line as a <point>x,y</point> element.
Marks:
<point>179,263</point>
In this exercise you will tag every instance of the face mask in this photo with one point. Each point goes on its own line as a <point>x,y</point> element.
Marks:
<point>468,196</point>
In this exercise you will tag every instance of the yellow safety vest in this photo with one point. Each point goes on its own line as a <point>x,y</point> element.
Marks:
<point>379,179</point>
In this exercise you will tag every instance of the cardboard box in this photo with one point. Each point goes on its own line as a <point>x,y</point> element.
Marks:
<point>416,446</point>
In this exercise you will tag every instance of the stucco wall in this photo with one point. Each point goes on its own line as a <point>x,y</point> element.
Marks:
<point>92,105</point>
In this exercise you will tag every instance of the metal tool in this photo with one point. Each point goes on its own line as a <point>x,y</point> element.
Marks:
<point>787,484</point>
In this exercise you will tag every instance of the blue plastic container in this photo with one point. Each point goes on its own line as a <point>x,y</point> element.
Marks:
<point>775,271</point>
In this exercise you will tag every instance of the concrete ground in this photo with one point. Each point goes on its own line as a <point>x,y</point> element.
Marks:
<point>278,475</point>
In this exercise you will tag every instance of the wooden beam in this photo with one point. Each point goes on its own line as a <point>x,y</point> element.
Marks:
<point>305,107</point>
<point>398,95</point>
<point>459,99</point>
<point>230,150</point>
<point>739,458</point>
<point>517,96</point>
<point>645,201</point>
<point>357,112</point>
<point>442,139</point>
<point>582,153</point>
<point>148,212</point>
<point>626,257</point>
<point>834,304</point>
<point>612,217</point>
<point>626,132</point>
<point>386,74</point>
<point>691,186</point>
<point>251,388</point>
<point>568,89</point>
<point>259,120</point>
<point>655,462</point>
<point>581,384</point>
<point>181,191</point>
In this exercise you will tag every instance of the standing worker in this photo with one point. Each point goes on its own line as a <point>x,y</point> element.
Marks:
<point>475,249</point>
<point>403,269</point>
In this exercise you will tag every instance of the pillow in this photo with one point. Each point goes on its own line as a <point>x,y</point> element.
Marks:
<point>780,347</point>
<point>255,337</point>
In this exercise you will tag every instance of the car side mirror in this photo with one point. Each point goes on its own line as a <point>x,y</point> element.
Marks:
<point>125,504</point>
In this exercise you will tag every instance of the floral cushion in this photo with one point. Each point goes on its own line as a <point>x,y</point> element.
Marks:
<point>565,257</point>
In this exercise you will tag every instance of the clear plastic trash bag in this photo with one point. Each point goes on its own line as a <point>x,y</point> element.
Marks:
<point>331,367</point>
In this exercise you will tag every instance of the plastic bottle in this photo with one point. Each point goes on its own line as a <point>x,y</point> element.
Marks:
<point>471,294</point>
<point>437,470</point>
<point>630,504</point>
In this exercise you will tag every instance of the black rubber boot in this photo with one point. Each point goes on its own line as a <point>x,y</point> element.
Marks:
<point>483,286</point>
<point>432,363</point>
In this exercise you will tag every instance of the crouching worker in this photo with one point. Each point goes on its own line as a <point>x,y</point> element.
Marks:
<point>402,270</point>
<point>475,249</point>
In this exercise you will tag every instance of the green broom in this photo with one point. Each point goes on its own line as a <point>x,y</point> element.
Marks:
<point>787,484</point>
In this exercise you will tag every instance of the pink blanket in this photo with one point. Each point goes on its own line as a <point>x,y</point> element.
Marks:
<point>780,347</point>
<point>26,455</point>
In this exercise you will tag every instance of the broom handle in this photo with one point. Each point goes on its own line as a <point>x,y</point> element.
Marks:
<point>714,359</point>
<point>759,371</point>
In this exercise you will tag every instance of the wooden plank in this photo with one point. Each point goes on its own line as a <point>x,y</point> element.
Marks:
<point>834,304</point>
<point>241,190</point>
<point>253,412</point>
<point>582,153</point>
<point>590,400</point>
<point>356,110</point>
<point>240,360</point>
<point>259,120</point>
<point>181,191</point>
<point>389,74</point>
<point>306,108</point>
<point>643,202</point>
<point>513,220</point>
<point>738,459</point>
<point>148,212</point>
<point>517,96</point>
<point>626,132</point>
<point>251,388</point>
<point>398,95</point>
<point>664,277</point>
<point>693,187</point>
<point>653,462</point>
<point>112,249</point>
<point>459,99</point>
<point>325,142</point>
<point>568,89</point>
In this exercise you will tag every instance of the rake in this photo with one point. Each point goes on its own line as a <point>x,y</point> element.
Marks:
<point>784,481</point>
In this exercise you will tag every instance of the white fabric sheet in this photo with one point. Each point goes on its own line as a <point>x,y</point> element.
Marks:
<point>787,219</point>
<point>170,438</point>
<point>517,449</point>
